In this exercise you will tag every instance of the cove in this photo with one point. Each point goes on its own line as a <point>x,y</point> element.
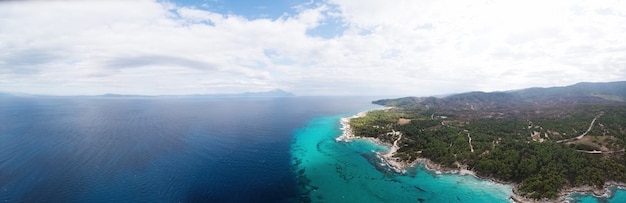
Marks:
<point>330,171</point>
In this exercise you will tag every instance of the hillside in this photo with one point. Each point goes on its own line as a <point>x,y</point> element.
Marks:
<point>545,141</point>
<point>581,93</point>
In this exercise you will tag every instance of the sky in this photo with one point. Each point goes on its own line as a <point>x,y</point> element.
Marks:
<point>308,47</point>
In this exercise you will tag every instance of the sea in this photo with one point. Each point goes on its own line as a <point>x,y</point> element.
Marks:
<point>199,149</point>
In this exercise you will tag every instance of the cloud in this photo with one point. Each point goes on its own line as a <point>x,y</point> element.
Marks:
<point>334,47</point>
<point>156,60</point>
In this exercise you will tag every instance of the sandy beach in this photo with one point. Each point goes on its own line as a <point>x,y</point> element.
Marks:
<point>347,134</point>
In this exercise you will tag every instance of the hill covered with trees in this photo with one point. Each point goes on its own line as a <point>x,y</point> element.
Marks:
<point>544,140</point>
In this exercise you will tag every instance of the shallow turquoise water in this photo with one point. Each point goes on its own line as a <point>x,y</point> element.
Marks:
<point>619,196</point>
<point>350,172</point>
<point>331,171</point>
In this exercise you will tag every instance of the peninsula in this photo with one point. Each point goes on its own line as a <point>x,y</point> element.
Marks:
<point>546,142</point>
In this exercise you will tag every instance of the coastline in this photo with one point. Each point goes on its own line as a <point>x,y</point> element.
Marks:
<point>400,167</point>
<point>347,134</point>
<point>386,157</point>
<point>604,192</point>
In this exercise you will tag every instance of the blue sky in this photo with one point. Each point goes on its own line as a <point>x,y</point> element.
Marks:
<point>325,47</point>
<point>251,9</point>
<point>328,28</point>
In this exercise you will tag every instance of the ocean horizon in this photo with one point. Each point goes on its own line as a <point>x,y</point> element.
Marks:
<point>280,149</point>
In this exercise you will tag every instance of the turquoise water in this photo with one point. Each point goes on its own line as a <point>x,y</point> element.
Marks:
<point>619,196</point>
<point>331,171</point>
<point>350,172</point>
<point>98,149</point>
<point>155,149</point>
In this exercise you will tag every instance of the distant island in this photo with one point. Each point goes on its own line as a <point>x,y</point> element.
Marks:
<point>546,142</point>
<point>271,93</point>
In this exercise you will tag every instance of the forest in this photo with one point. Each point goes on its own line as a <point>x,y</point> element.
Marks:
<point>542,148</point>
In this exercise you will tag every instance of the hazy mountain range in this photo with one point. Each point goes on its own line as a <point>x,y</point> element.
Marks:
<point>580,93</point>
<point>271,93</point>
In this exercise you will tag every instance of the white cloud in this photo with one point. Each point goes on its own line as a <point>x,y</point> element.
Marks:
<point>401,47</point>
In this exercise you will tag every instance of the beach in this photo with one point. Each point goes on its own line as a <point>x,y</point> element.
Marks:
<point>347,134</point>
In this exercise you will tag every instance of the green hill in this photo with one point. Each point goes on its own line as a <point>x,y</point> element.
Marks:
<point>544,140</point>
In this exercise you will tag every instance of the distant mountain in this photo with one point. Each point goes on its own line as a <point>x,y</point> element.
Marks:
<point>271,93</point>
<point>9,94</point>
<point>581,93</point>
<point>123,95</point>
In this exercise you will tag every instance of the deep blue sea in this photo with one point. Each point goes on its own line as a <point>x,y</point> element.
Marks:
<point>143,149</point>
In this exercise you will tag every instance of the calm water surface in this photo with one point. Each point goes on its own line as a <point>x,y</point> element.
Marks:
<point>109,149</point>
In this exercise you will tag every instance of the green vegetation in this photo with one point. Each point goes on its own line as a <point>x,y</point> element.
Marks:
<point>533,144</point>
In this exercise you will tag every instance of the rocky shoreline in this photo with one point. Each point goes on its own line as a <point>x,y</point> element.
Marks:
<point>347,134</point>
<point>400,167</point>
